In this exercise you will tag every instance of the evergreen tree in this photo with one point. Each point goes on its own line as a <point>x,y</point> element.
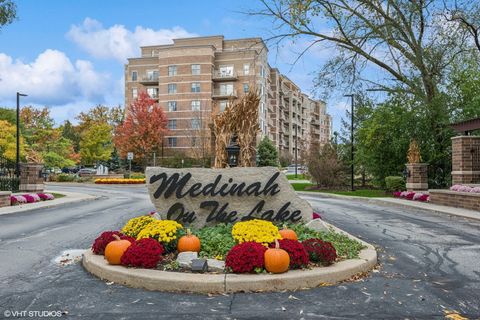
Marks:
<point>267,153</point>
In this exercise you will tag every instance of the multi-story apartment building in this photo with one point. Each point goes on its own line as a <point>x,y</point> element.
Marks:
<point>195,77</point>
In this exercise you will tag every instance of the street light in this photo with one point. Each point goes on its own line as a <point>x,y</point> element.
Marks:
<point>17,166</point>
<point>351,141</point>
<point>296,153</point>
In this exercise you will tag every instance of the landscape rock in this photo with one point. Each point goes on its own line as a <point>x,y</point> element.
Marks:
<point>215,265</point>
<point>200,196</point>
<point>184,259</point>
<point>318,225</point>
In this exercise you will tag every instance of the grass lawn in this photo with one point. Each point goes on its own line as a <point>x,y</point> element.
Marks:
<point>58,195</point>
<point>358,193</point>
<point>299,177</point>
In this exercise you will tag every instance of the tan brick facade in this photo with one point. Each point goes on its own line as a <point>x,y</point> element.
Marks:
<point>466,200</point>
<point>195,77</point>
<point>465,159</point>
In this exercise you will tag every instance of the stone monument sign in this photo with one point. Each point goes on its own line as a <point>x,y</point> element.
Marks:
<point>199,196</point>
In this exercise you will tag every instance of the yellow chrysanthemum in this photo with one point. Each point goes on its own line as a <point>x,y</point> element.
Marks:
<point>135,225</point>
<point>256,230</point>
<point>162,230</point>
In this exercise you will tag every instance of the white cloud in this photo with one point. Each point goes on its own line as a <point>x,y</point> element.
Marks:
<point>51,79</point>
<point>118,42</point>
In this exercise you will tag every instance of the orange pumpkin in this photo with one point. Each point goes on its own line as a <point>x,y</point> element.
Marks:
<point>288,233</point>
<point>276,260</point>
<point>188,242</point>
<point>115,249</point>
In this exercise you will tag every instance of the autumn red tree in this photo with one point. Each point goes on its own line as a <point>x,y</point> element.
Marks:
<point>143,130</point>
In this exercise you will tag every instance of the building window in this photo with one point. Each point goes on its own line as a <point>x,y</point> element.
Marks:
<point>172,88</point>
<point>152,92</point>
<point>196,123</point>
<point>262,72</point>
<point>134,93</point>
<point>196,87</point>
<point>194,141</point>
<point>134,75</point>
<point>172,124</point>
<point>246,69</point>
<point>261,91</point>
<point>226,89</point>
<point>195,69</point>
<point>223,105</point>
<point>172,106</point>
<point>152,75</point>
<point>226,71</point>
<point>245,87</point>
<point>172,141</point>
<point>195,105</point>
<point>172,70</point>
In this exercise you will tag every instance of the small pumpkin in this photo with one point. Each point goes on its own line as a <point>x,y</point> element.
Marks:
<point>288,233</point>
<point>115,249</point>
<point>276,260</point>
<point>189,242</point>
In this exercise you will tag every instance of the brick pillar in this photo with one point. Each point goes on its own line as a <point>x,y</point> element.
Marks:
<point>465,160</point>
<point>31,179</point>
<point>417,180</point>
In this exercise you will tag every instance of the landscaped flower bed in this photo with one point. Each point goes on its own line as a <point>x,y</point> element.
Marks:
<point>462,188</point>
<point>30,198</point>
<point>410,195</point>
<point>253,246</point>
<point>119,181</point>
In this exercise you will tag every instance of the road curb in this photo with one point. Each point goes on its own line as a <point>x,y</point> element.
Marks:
<point>70,197</point>
<point>228,283</point>
<point>445,210</point>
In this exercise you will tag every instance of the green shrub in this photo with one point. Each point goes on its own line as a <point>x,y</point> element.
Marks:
<point>64,177</point>
<point>394,183</point>
<point>137,175</point>
<point>216,240</point>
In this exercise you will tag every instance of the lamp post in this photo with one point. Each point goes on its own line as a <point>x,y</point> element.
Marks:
<point>17,165</point>
<point>296,154</point>
<point>351,141</point>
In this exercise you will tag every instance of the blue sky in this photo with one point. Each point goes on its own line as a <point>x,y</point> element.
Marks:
<point>69,55</point>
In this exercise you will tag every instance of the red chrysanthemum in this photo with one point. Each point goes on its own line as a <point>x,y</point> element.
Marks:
<point>144,253</point>
<point>105,238</point>
<point>296,251</point>
<point>320,251</point>
<point>246,257</point>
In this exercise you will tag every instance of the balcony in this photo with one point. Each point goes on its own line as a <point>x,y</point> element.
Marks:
<point>224,76</point>
<point>149,80</point>
<point>224,94</point>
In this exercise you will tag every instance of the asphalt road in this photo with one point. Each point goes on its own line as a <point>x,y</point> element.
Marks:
<point>429,265</point>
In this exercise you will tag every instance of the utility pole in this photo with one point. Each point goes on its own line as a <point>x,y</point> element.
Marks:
<point>352,150</point>
<point>17,165</point>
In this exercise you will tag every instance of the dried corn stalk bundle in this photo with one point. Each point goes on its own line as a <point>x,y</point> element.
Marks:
<point>245,120</point>
<point>241,118</point>
<point>222,130</point>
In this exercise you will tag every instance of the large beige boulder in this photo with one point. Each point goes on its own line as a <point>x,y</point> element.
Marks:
<point>199,196</point>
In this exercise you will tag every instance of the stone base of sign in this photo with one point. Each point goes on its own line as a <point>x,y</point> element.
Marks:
<point>31,179</point>
<point>417,179</point>
<point>465,200</point>
<point>229,283</point>
<point>5,198</point>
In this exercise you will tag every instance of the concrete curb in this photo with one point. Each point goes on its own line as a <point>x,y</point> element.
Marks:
<point>451,211</point>
<point>70,197</point>
<point>229,283</point>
